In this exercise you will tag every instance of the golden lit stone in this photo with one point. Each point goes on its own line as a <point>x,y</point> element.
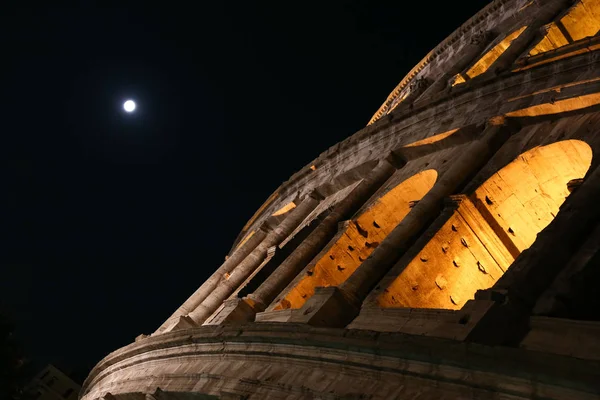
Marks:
<point>467,254</point>
<point>361,237</point>
<point>285,209</point>
<point>528,192</point>
<point>486,61</point>
<point>432,139</point>
<point>582,20</point>
<point>457,80</point>
<point>559,106</point>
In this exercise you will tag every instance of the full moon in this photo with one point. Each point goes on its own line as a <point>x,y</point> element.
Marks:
<point>129,106</point>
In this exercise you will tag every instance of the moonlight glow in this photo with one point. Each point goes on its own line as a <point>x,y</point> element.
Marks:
<point>129,106</point>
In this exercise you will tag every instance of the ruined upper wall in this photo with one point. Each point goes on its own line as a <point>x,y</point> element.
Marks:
<point>488,32</point>
<point>498,17</point>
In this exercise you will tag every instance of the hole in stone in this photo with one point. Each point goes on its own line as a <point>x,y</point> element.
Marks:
<point>441,282</point>
<point>464,319</point>
<point>488,200</point>
<point>360,230</point>
<point>376,225</point>
<point>350,248</point>
<point>331,256</point>
<point>481,267</point>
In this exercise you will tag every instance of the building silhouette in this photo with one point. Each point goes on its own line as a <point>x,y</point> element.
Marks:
<point>448,250</point>
<point>52,384</point>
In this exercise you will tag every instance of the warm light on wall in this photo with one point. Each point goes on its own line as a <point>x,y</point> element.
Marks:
<point>457,80</point>
<point>260,210</point>
<point>246,238</point>
<point>525,196</point>
<point>581,21</point>
<point>485,62</point>
<point>361,237</point>
<point>479,242</point>
<point>432,139</point>
<point>285,209</point>
<point>560,106</point>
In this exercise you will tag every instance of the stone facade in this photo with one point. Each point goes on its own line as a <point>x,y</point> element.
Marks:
<point>448,250</point>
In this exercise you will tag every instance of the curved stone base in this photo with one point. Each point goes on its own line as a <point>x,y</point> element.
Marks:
<point>292,361</point>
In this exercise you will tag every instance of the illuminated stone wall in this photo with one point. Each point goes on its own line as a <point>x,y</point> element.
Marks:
<point>450,249</point>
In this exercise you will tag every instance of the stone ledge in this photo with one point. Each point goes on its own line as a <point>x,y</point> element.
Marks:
<point>573,338</point>
<point>364,352</point>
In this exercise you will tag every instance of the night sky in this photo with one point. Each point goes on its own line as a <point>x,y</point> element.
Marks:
<point>110,220</point>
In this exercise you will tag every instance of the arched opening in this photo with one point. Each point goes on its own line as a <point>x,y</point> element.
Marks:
<point>362,235</point>
<point>581,21</point>
<point>474,248</point>
<point>489,58</point>
<point>285,209</point>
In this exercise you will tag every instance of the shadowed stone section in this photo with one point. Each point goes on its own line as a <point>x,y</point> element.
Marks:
<point>254,259</point>
<point>564,336</point>
<point>573,294</point>
<point>211,283</point>
<point>281,254</point>
<point>237,310</point>
<point>356,288</point>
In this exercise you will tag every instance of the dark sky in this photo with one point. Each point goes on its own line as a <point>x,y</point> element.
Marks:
<point>110,221</point>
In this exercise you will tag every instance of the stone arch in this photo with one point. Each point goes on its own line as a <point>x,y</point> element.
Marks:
<point>488,58</point>
<point>359,238</point>
<point>580,21</point>
<point>490,228</point>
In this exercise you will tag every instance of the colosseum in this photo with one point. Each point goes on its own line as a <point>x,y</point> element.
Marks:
<point>450,249</point>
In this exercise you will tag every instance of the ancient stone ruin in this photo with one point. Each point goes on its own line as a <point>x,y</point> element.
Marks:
<point>448,250</point>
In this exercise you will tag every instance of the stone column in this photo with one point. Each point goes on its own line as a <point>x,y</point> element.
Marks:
<point>334,306</point>
<point>313,244</point>
<point>254,259</point>
<point>211,283</point>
